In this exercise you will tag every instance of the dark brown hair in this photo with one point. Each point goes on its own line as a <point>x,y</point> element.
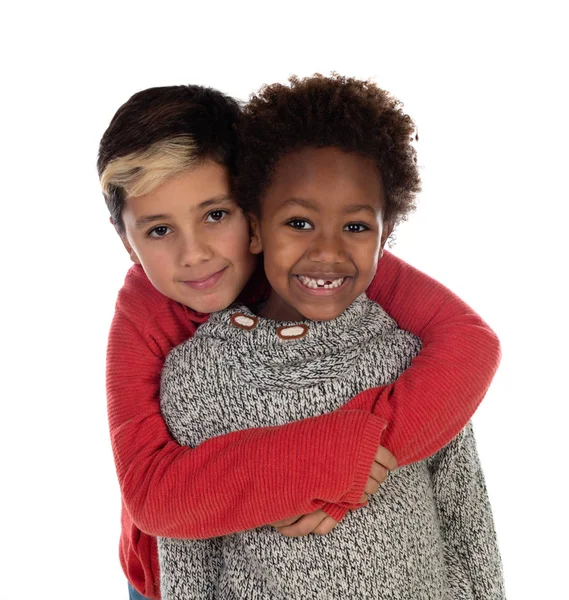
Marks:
<point>192,122</point>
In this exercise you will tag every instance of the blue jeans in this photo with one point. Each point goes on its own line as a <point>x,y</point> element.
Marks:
<point>134,595</point>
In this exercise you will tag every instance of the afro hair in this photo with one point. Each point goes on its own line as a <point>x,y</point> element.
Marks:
<point>335,111</point>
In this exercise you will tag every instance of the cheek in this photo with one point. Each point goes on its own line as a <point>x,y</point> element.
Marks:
<point>234,243</point>
<point>284,250</point>
<point>279,261</point>
<point>151,256</point>
<point>160,266</point>
<point>155,257</point>
<point>368,255</point>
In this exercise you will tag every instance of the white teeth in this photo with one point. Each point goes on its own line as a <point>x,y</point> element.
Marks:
<point>320,283</point>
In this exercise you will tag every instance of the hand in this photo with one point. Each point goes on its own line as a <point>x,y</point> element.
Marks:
<point>383,462</point>
<point>317,522</point>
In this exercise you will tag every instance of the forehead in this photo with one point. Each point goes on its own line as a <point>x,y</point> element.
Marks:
<point>331,172</point>
<point>187,189</point>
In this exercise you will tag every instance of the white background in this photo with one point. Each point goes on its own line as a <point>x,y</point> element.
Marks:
<point>486,84</point>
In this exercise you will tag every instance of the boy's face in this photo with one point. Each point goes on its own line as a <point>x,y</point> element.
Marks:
<point>321,231</point>
<point>191,238</point>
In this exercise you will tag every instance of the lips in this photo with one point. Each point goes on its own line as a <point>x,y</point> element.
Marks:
<point>206,282</point>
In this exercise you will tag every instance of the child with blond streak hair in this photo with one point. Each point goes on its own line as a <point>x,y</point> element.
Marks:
<point>166,164</point>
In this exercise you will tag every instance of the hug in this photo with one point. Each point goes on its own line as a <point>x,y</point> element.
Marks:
<point>289,404</point>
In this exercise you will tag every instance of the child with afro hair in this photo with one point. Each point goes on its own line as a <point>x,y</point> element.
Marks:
<point>327,170</point>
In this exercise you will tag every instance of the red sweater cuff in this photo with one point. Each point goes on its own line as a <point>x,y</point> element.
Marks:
<point>335,511</point>
<point>370,443</point>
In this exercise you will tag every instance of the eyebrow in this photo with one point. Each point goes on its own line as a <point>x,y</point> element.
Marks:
<point>309,204</point>
<point>142,221</point>
<point>354,208</point>
<point>221,199</point>
<point>147,219</point>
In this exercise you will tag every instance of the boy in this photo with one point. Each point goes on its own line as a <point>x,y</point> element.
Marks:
<point>325,188</point>
<point>158,149</point>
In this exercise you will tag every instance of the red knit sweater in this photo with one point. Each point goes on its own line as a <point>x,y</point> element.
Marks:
<point>250,478</point>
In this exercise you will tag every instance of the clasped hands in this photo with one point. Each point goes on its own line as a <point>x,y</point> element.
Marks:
<point>319,522</point>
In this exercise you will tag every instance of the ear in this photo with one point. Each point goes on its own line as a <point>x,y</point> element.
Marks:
<point>256,243</point>
<point>386,232</point>
<point>131,252</point>
<point>128,247</point>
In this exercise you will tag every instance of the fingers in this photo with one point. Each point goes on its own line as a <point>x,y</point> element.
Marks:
<point>377,476</point>
<point>384,462</point>
<point>318,523</point>
<point>305,525</point>
<point>378,472</point>
<point>372,486</point>
<point>287,522</point>
<point>325,526</point>
<point>385,458</point>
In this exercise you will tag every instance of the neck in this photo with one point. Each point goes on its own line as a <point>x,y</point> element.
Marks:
<point>278,310</point>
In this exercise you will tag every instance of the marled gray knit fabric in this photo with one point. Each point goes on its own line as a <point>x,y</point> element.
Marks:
<point>427,534</point>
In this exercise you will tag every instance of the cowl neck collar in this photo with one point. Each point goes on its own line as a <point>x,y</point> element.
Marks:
<point>324,351</point>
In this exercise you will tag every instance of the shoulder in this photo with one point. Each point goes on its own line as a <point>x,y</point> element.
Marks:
<point>368,315</point>
<point>215,346</point>
<point>150,312</point>
<point>210,333</point>
<point>385,327</point>
<point>385,348</point>
<point>138,298</point>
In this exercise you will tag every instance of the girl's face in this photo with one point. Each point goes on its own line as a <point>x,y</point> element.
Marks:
<point>321,230</point>
<point>191,238</point>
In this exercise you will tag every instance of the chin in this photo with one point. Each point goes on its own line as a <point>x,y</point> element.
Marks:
<point>210,306</point>
<point>313,314</point>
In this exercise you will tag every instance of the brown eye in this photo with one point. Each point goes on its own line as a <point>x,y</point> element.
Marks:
<point>158,232</point>
<point>215,216</point>
<point>300,224</point>
<point>356,227</point>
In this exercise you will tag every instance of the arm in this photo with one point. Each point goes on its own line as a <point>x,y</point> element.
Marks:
<point>467,527</point>
<point>175,491</point>
<point>434,399</point>
<point>229,483</point>
<point>436,396</point>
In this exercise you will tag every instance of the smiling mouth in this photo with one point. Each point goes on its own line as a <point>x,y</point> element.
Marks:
<point>320,284</point>
<point>206,282</point>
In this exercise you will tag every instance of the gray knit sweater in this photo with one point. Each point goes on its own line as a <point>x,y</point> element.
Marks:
<point>427,534</point>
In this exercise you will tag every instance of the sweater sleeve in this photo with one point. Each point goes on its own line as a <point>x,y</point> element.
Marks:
<point>175,491</point>
<point>472,557</point>
<point>229,483</point>
<point>434,399</point>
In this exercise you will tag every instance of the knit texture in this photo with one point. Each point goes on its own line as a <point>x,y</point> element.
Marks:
<point>249,478</point>
<point>407,543</point>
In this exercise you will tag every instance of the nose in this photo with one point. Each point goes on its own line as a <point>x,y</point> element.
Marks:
<point>193,249</point>
<point>327,248</point>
